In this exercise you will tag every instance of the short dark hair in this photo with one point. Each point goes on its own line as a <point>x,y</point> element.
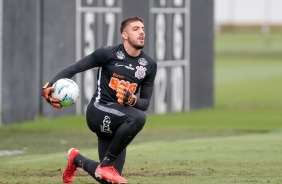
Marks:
<point>129,20</point>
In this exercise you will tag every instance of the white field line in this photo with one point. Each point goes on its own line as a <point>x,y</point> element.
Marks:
<point>10,152</point>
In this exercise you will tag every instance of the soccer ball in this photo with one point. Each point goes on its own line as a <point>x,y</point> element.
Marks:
<point>66,90</point>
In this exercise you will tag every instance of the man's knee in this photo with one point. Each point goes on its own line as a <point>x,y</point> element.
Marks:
<point>139,119</point>
<point>142,118</point>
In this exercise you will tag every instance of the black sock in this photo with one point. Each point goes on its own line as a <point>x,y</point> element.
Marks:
<point>86,164</point>
<point>108,160</point>
<point>79,161</point>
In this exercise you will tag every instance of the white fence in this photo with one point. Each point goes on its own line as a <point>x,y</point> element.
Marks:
<point>256,12</point>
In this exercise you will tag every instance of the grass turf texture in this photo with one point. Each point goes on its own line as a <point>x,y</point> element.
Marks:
<point>239,141</point>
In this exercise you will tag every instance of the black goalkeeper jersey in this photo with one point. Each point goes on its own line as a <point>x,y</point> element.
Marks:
<point>115,65</point>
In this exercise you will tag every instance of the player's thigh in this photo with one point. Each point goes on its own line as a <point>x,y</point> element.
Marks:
<point>104,119</point>
<point>130,114</point>
<point>135,119</point>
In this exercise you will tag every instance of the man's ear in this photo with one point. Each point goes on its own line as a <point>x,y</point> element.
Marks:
<point>124,35</point>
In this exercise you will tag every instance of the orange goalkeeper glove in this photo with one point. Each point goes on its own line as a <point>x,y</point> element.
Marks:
<point>46,93</point>
<point>125,97</point>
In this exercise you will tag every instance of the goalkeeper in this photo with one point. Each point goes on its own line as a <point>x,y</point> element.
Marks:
<point>115,113</point>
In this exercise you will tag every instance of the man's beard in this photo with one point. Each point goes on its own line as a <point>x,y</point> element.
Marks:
<point>134,45</point>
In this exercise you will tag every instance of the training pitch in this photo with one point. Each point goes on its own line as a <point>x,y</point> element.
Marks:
<point>236,142</point>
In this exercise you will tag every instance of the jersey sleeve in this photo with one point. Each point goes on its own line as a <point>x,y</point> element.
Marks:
<point>77,67</point>
<point>145,96</point>
<point>150,78</point>
<point>101,56</point>
<point>96,59</point>
<point>147,89</point>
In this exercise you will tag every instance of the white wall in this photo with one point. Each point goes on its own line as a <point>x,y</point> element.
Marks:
<point>248,12</point>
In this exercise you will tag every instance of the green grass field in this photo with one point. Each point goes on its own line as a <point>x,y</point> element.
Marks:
<point>237,142</point>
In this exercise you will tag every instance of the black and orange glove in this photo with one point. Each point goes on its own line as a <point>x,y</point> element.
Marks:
<point>46,93</point>
<point>125,97</point>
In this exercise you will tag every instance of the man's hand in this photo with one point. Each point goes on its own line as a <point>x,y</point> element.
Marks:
<point>125,96</point>
<point>46,93</point>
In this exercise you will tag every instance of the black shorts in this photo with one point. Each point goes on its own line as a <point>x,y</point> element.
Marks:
<point>105,119</point>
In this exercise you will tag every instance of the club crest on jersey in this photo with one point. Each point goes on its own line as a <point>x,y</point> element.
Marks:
<point>141,72</point>
<point>120,55</point>
<point>142,61</point>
